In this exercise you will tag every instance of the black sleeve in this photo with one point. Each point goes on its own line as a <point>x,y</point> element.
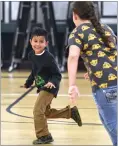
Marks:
<point>30,80</point>
<point>55,72</point>
<point>29,55</point>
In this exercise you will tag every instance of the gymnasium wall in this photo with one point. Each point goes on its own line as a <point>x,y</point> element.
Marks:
<point>9,11</point>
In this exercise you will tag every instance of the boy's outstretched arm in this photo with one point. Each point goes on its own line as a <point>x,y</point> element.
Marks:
<point>29,81</point>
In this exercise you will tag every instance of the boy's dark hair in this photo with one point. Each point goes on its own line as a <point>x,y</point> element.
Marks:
<point>38,31</point>
<point>86,10</point>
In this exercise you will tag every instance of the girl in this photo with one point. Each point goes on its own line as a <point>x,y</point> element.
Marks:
<point>96,43</point>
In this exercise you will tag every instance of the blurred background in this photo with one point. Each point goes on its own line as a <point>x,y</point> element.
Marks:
<point>19,17</point>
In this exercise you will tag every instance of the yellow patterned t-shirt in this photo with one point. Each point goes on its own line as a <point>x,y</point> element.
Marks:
<point>100,61</point>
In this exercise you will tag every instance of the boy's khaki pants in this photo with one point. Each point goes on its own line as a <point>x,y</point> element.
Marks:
<point>42,111</point>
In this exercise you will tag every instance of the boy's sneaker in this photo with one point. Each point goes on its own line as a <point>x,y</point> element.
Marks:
<point>76,116</point>
<point>44,139</point>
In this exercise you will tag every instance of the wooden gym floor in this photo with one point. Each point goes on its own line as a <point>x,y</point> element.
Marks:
<point>17,117</point>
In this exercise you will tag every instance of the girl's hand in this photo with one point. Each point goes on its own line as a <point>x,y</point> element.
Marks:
<point>86,76</point>
<point>73,93</point>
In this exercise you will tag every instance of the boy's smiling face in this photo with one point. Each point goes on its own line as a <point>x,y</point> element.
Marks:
<point>38,44</point>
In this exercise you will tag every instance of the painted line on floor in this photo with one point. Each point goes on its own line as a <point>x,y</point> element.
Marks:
<point>59,95</point>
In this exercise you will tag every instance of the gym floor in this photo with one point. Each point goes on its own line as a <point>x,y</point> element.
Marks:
<point>17,113</point>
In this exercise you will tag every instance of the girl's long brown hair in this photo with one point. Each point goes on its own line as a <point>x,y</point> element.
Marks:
<point>86,11</point>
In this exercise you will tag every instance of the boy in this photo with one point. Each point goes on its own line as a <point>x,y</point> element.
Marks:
<point>47,79</point>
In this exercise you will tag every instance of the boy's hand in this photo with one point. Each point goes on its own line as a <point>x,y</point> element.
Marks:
<point>25,86</point>
<point>49,85</point>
